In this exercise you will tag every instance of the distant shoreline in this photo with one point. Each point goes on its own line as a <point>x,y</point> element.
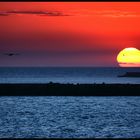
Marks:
<point>131,74</point>
<point>56,89</point>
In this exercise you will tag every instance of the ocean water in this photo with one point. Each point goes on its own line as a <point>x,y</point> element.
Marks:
<point>70,117</point>
<point>66,75</point>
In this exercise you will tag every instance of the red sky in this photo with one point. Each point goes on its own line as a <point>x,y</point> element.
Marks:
<point>67,33</point>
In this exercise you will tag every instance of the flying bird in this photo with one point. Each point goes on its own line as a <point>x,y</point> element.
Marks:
<point>11,54</point>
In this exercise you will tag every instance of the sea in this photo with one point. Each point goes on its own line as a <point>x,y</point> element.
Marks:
<point>66,75</point>
<point>69,116</point>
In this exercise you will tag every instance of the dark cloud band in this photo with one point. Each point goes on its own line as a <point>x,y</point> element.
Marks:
<point>41,13</point>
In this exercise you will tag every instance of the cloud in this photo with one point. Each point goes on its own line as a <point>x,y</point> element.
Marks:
<point>4,14</point>
<point>104,13</point>
<point>82,12</point>
<point>117,13</point>
<point>40,13</point>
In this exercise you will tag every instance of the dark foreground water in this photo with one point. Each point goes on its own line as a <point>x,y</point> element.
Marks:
<point>70,117</point>
<point>66,75</point>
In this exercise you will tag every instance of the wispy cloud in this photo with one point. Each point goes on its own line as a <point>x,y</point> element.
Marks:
<point>40,13</point>
<point>82,12</point>
<point>117,14</point>
<point>4,14</point>
<point>104,13</point>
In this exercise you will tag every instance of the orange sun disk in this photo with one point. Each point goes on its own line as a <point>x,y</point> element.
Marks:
<point>129,57</point>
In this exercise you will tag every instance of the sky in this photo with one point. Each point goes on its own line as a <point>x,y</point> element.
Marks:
<point>67,33</point>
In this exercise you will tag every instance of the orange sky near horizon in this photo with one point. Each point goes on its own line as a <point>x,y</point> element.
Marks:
<point>67,33</point>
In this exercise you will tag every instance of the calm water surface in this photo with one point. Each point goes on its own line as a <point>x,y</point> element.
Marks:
<point>69,117</point>
<point>66,75</point>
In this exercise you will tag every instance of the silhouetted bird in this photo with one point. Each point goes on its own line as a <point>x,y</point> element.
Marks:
<point>11,54</point>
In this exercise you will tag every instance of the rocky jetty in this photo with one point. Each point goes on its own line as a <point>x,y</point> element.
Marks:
<point>56,89</point>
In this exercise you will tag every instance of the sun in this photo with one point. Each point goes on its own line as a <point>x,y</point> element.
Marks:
<point>129,57</point>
